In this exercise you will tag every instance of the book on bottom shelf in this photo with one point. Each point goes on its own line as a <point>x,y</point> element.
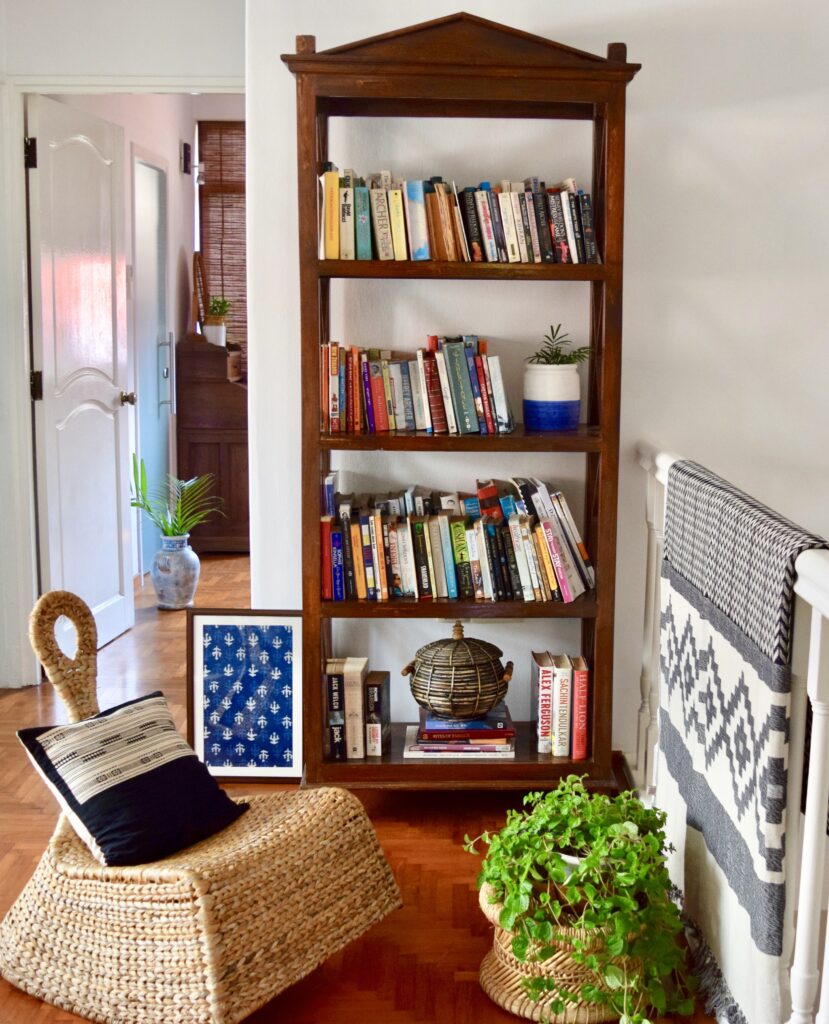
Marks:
<point>378,714</point>
<point>415,749</point>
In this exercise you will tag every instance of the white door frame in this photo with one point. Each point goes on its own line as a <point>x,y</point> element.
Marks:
<point>138,154</point>
<point>18,565</point>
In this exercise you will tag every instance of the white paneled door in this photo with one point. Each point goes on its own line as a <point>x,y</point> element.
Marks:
<point>78,311</point>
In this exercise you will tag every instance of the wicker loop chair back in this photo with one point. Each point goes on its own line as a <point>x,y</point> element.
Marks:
<point>74,679</point>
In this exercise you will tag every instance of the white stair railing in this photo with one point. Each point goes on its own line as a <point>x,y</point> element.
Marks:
<point>805,835</point>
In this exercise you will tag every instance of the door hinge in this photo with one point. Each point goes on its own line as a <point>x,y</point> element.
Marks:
<point>36,385</point>
<point>30,153</point>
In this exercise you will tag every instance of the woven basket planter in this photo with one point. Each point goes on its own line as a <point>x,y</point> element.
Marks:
<point>502,975</point>
<point>461,678</point>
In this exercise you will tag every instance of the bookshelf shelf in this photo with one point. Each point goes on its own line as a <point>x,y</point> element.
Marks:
<point>584,607</point>
<point>585,439</point>
<point>467,67</point>
<point>433,270</point>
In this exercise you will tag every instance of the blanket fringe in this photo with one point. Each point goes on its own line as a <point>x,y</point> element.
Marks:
<point>717,999</point>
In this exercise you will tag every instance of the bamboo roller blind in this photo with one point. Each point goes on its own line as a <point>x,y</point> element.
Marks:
<point>222,221</point>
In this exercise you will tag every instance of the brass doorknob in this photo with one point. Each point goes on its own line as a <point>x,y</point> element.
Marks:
<point>127,398</point>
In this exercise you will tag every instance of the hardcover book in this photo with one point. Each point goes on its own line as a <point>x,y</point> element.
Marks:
<point>414,203</point>
<point>580,708</point>
<point>354,674</point>
<point>460,387</point>
<point>378,714</point>
<point>562,681</point>
<point>542,700</point>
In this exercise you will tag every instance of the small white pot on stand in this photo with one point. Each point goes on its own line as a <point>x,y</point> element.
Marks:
<point>552,397</point>
<point>215,331</point>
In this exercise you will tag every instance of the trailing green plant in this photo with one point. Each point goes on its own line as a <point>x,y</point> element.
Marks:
<point>552,352</point>
<point>617,895</point>
<point>177,506</point>
<point>219,306</point>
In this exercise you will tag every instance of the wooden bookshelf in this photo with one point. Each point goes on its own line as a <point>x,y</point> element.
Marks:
<point>465,66</point>
<point>585,439</point>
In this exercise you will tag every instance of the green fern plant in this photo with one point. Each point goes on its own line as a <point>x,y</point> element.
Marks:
<point>177,506</point>
<point>617,897</point>
<point>552,352</point>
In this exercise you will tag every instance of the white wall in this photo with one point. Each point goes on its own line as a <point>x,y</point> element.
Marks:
<point>726,355</point>
<point>115,39</point>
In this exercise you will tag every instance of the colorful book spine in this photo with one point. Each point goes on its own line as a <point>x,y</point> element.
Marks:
<point>398,224</point>
<point>336,711</point>
<point>490,249</point>
<point>381,224</point>
<point>415,206</point>
<point>558,231</point>
<point>378,714</point>
<point>354,673</point>
<point>378,556</point>
<point>362,223</point>
<point>460,387</point>
<point>460,551</point>
<point>533,223</point>
<point>347,250</point>
<point>542,700</point>
<point>508,221</point>
<point>482,387</point>
<point>359,565</point>
<point>581,684</point>
<point>446,394</point>
<point>497,226</point>
<point>327,590</point>
<point>337,572</point>
<point>421,558</point>
<point>448,557</point>
<point>437,410</point>
<point>365,375</point>
<point>562,682</point>
<point>475,564</point>
<point>368,560</point>
<point>474,383</point>
<point>331,214</point>
<point>588,228</point>
<point>407,399</point>
<point>469,216</point>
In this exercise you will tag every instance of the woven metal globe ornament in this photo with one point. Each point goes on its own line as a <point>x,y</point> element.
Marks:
<point>461,678</point>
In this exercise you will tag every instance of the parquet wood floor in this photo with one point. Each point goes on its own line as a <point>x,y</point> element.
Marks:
<point>419,966</point>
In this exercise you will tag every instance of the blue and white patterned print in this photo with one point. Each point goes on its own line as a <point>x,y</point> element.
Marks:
<point>247,710</point>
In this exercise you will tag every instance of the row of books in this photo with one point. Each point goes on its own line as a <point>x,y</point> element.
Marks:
<point>453,386</point>
<point>491,737</point>
<point>358,710</point>
<point>560,694</point>
<point>512,222</point>
<point>513,540</point>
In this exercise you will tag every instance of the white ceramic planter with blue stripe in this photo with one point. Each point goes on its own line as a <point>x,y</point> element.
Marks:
<point>552,397</point>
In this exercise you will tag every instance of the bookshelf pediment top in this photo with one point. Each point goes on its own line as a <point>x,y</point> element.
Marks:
<point>466,43</point>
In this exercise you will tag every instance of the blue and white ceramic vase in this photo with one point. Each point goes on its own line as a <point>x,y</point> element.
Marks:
<point>552,397</point>
<point>175,572</point>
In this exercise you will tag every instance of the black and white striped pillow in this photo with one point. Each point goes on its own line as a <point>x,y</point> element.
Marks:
<point>132,788</point>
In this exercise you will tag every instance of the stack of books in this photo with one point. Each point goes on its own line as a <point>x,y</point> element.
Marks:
<point>512,540</point>
<point>381,217</point>
<point>560,700</point>
<point>491,737</point>
<point>453,386</point>
<point>358,710</point>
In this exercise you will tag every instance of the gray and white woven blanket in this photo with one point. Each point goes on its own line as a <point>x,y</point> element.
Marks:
<point>727,603</point>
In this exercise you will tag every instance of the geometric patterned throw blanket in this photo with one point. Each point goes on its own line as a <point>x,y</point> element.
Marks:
<point>727,604</point>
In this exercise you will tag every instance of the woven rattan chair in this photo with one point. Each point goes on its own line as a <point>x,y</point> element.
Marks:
<point>205,936</point>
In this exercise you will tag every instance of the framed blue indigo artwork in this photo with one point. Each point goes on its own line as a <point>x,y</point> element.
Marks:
<point>244,701</point>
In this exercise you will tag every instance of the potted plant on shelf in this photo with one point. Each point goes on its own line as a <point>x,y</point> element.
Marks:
<point>175,509</point>
<point>214,328</point>
<point>552,390</point>
<point>585,929</point>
